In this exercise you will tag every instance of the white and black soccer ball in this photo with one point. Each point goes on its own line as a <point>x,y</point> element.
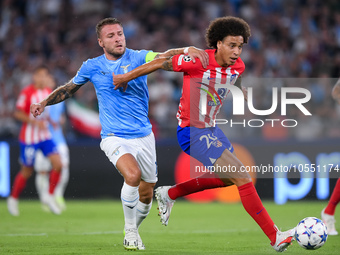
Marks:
<point>311,233</point>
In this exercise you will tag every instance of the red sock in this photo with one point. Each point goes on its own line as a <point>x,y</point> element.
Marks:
<point>54,179</point>
<point>334,200</point>
<point>205,181</point>
<point>18,185</point>
<point>253,205</point>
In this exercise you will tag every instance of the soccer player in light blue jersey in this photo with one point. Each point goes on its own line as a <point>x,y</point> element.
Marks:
<point>127,139</point>
<point>42,164</point>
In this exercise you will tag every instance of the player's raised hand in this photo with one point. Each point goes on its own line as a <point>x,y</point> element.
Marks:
<point>119,81</point>
<point>202,55</point>
<point>37,109</point>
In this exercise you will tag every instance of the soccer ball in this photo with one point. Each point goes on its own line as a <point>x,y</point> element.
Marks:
<point>311,233</point>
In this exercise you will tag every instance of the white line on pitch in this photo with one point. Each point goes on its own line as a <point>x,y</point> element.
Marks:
<point>100,233</point>
<point>199,231</point>
<point>26,234</point>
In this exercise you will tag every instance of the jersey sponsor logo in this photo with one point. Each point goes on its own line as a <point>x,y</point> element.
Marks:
<point>221,94</point>
<point>211,95</point>
<point>125,68</point>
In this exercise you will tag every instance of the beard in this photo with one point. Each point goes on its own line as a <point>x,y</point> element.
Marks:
<point>116,54</point>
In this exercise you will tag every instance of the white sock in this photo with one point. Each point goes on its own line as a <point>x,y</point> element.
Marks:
<point>64,177</point>
<point>129,196</point>
<point>42,185</point>
<point>142,211</point>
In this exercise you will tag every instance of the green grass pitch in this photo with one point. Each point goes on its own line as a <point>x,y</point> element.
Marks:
<point>96,227</point>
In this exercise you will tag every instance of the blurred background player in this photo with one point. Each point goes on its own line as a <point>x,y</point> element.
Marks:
<point>34,136</point>
<point>127,138</point>
<point>327,214</point>
<point>42,164</point>
<point>197,133</point>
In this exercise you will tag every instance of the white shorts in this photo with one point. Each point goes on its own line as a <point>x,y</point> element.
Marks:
<point>43,164</point>
<point>142,149</point>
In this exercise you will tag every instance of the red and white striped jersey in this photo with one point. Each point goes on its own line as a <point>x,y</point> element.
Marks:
<point>31,134</point>
<point>203,91</point>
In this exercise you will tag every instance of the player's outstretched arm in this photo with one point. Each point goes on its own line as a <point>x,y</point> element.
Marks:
<point>192,51</point>
<point>121,80</point>
<point>58,95</point>
<point>336,91</point>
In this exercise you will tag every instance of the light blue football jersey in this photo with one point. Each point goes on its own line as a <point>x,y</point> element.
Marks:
<point>122,114</point>
<point>55,113</point>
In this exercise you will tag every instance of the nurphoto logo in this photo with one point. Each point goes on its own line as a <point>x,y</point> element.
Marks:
<point>219,91</point>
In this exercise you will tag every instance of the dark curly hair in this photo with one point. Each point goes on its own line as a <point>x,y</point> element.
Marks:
<point>106,21</point>
<point>224,26</point>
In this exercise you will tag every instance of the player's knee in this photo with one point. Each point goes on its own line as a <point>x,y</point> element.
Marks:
<point>26,171</point>
<point>56,162</point>
<point>57,166</point>
<point>132,177</point>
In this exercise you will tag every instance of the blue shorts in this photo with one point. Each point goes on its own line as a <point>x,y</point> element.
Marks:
<point>204,144</point>
<point>28,152</point>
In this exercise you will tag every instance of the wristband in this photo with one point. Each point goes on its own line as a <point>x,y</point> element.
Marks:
<point>186,50</point>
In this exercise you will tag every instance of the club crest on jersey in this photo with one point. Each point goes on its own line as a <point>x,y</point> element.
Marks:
<point>125,68</point>
<point>217,143</point>
<point>116,151</point>
<point>233,79</point>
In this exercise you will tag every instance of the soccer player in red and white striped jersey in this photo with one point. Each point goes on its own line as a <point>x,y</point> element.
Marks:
<point>34,135</point>
<point>327,214</point>
<point>202,96</point>
<point>32,131</point>
<point>203,90</point>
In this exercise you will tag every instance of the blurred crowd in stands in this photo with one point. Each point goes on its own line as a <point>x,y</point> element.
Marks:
<point>296,40</point>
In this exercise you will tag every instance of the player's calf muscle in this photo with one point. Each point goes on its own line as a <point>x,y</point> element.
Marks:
<point>232,169</point>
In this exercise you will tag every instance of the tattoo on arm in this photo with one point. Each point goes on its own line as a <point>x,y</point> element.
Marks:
<point>170,53</point>
<point>62,93</point>
<point>167,65</point>
<point>174,52</point>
